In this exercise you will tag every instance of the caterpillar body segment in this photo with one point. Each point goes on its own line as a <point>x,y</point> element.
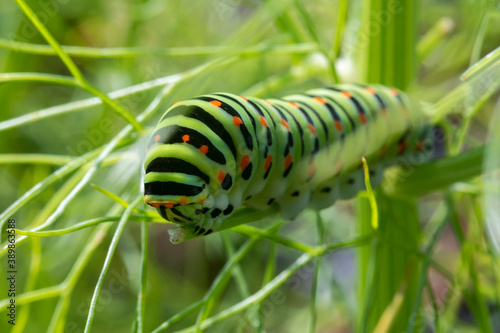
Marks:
<point>212,154</point>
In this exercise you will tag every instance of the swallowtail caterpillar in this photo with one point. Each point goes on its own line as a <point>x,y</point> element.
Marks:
<point>213,154</point>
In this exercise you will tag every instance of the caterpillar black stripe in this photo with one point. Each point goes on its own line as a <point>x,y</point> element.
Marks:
<point>212,154</point>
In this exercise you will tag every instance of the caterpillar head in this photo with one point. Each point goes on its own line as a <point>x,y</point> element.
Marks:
<point>174,185</point>
<point>182,167</point>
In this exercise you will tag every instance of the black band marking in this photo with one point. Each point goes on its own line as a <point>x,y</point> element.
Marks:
<point>233,113</point>
<point>195,112</point>
<point>174,134</point>
<point>173,164</point>
<point>171,188</point>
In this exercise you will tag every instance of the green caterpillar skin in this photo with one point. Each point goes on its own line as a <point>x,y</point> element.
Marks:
<point>212,154</point>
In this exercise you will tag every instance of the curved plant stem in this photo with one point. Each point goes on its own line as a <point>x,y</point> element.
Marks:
<point>107,262</point>
<point>223,277</point>
<point>35,159</point>
<point>87,103</point>
<point>179,316</point>
<point>57,323</point>
<point>141,297</point>
<point>35,295</point>
<point>40,77</point>
<point>84,225</point>
<point>72,66</point>
<point>133,52</point>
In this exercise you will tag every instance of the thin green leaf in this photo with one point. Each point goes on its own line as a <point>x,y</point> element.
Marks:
<point>114,197</point>
<point>371,196</point>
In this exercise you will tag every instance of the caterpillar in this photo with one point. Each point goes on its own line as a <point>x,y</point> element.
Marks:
<point>213,154</point>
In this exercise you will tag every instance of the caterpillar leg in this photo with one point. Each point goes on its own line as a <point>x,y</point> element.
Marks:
<point>207,227</point>
<point>293,203</point>
<point>325,195</point>
<point>376,174</point>
<point>269,195</point>
<point>351,184</point>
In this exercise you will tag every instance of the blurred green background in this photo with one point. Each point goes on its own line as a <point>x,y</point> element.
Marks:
<point>432,267</point>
